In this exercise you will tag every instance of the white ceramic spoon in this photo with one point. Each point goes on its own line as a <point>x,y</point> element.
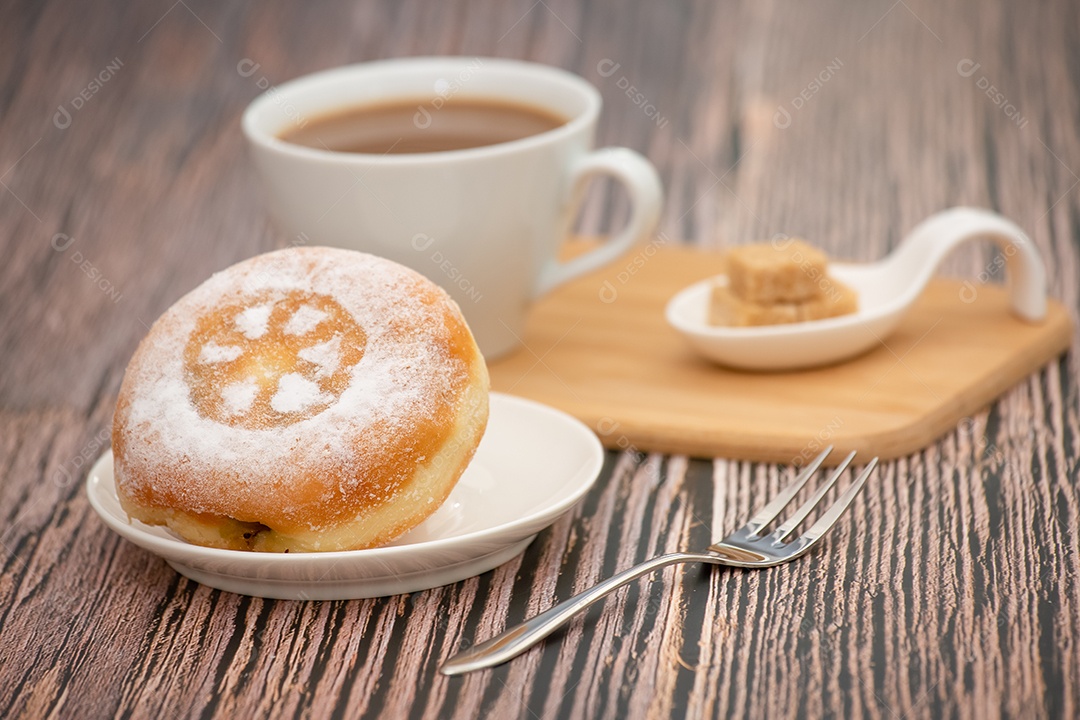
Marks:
<point>886,290</point>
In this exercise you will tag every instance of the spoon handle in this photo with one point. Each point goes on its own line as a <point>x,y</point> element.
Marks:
<point>927,245</point>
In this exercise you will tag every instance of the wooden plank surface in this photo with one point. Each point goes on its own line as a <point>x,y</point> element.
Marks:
<point>950,590</point>
<point>601,349</point>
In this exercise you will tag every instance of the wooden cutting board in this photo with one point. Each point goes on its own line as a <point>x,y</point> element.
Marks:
<point>600,349</point>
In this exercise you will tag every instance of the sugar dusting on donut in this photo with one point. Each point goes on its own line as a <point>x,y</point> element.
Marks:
<point>252,322</point>
<point>304,320</point>
<point>294,364</point>
<point>296,348</point>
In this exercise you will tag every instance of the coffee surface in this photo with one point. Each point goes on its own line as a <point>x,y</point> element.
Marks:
<point>422,126</point>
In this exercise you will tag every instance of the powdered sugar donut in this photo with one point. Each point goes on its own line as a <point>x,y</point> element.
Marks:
<point>307,399</point>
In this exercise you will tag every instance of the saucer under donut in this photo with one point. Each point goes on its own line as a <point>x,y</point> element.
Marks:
<point>309,399</point>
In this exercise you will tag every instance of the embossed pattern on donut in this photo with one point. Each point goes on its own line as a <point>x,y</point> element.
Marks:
<point>306,399</point>
<point>272,360</point>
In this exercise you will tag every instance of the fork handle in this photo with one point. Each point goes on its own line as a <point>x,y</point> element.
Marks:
<point>520,638</point>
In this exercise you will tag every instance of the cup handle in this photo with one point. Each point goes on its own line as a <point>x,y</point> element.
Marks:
<point>646,195</point>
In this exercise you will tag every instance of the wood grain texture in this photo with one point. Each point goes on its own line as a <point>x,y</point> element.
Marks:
<point>601,349</point>
<point>951,589</point>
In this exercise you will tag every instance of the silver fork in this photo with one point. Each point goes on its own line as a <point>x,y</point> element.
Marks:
<point>744,548</point>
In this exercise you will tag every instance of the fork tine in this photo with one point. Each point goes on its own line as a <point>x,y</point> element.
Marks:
<point>833,514</point>
<point>784,530</point>
<point>768,513</point>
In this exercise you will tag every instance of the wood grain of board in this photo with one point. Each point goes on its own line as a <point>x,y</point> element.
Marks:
<point>601,349</point>
<point>952,587</point>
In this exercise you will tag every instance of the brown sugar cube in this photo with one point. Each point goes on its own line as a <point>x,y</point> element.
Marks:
<point>766,273</point>
<point>836,299</point>
<point>728,309</point>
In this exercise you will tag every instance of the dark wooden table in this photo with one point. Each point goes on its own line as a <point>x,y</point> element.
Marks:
<point>951,589</point>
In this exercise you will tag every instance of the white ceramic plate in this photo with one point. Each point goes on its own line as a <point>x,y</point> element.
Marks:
<point>533,464</point>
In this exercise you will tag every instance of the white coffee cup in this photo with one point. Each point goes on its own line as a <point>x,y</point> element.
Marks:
<point>485,223</point>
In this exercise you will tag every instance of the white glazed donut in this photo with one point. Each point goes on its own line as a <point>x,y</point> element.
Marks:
<point>308,399</point>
